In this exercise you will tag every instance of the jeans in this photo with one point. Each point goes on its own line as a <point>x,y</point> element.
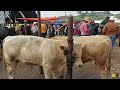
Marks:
<point>113,38</point>
<point>43,35</point>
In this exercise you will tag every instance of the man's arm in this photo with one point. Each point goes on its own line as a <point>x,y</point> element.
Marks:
<point>104,30</point>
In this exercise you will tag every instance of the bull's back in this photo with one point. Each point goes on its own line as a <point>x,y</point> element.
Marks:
<point>32,49</point>
<point>24,48</point>
<point>95,47</point>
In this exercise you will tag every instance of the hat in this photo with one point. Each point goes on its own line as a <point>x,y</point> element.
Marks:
<point>112,18</point>
<point>86,19</point>
<point>34,22</point>
<point>106,17</point>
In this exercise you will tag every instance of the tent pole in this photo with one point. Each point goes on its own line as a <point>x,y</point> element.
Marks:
<point>39,23</point>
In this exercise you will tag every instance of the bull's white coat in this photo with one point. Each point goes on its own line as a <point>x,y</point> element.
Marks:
<point>38,51</point>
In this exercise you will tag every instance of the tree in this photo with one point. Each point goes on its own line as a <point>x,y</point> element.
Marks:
<point>86,11</point>
<point>108,12</point>
<point>92,11</point>
<point>79,12</point>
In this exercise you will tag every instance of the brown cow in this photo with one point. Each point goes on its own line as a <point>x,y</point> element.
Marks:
<point>97,48</point>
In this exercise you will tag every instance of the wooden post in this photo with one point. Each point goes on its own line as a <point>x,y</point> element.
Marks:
<point>25,23</point>
<point>14,23</point>
<point>70,47</point>
<point>39,34</point>
<point>39,23</point>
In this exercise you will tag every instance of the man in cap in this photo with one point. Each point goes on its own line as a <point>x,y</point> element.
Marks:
<point>51,31</point>
<point>111,29</point>
<point>105,20</point>
<point>93,28</point>
<point>83,27</point>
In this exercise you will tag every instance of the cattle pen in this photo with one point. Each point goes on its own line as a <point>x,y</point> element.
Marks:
<point>87,71</point>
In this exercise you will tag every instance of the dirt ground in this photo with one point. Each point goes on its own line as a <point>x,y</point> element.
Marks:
<point>87,71</point>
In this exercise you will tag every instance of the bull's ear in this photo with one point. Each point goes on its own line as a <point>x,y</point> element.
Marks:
<point>62,48</point>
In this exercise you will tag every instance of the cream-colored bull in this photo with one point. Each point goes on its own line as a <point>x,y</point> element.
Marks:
<point>96,48</point>
<point>38,51</point>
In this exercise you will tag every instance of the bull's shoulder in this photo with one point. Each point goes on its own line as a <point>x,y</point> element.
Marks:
<point>6,38</point>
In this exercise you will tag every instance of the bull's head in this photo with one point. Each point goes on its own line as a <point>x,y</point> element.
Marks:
<point>76,54</point>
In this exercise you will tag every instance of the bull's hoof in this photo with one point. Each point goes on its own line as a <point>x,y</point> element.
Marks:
<point>10,77</point>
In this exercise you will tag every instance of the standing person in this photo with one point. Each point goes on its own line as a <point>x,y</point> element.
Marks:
<point>34,28</point>
<point>93,28</point>
<point>75,23</point>
<point>83,27</point>
<point>77,30</point>
<point>17,26</point>
<point>61,30</point>
<point>51,31</point>
<point>43,29</point>
<point>111,29</point>
<point>105,20</point>
<point>21,30</point>
<point>57,27</point>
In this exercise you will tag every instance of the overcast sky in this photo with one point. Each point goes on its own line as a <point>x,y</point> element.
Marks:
<point>62,13</point>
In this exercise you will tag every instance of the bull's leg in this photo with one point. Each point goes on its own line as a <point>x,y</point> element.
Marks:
<point>58,72</point>
<point>11,70</point>
<point>104,72</point>
<point>103,65</point>
<point>41,70</point>
<point>58,75</point>
<point>48,72</point>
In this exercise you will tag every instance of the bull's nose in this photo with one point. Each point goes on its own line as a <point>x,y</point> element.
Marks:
<point>80,65</point>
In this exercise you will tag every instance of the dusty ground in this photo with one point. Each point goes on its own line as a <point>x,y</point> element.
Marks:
<point>87,71</point>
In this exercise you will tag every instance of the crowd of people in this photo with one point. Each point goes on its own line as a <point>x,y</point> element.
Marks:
<point>47,29</point>
<point>86,27</point>
<point>107,27</point>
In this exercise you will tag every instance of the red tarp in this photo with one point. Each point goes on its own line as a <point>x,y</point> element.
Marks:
<point>36,19</point>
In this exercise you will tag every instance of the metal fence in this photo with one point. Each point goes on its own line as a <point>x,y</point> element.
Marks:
<point>3,16</point>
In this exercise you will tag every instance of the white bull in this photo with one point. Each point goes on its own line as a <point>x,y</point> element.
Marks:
<point>37,51</point>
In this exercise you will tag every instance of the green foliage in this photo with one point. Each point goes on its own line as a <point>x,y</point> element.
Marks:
<point>91,15</point>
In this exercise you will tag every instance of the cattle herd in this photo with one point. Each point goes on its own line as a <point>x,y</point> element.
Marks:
<point>49,53</point>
